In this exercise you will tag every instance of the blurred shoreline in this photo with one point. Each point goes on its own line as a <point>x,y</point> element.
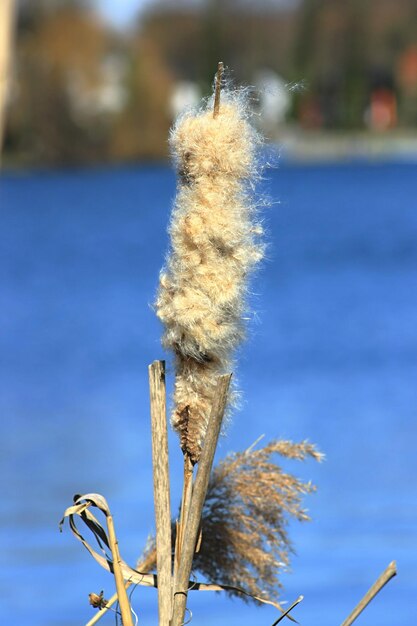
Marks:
<point>293,146</point>
<point>328,80</point>
<point>318,146</point>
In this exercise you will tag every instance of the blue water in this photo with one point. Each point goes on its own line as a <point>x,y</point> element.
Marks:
<point>332,357</point>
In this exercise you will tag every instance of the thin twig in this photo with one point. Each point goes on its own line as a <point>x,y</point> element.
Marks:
<point>254,444</point>
<point>385,577</point>
<point>217,88</point>
<point>161,489</point>
<point>286,613</point>
<point>197,500</point>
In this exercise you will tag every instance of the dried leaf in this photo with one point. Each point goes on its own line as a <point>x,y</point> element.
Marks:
<point>81,508</point>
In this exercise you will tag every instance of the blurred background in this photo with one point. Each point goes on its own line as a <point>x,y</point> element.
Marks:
<point>88,93</point>
<point>100,81</point>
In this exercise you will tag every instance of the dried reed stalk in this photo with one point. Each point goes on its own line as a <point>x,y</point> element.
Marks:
<point>118,575</point>
<point>197,501</point>
<point>7,15</point>
<point>161,489</point>
<point>187,491</point>
<point>385,577</point>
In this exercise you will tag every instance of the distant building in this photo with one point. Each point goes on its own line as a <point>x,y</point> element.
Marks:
<point>185,94</point>
<point>106,96</point>
<point>274,100</point>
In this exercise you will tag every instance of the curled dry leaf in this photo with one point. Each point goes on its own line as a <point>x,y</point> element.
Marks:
<point>82,509</point>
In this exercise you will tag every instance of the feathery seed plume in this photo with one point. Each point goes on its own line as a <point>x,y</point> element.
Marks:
<point>250,501</point>
<point>249,504</point>
<point>214,246</point>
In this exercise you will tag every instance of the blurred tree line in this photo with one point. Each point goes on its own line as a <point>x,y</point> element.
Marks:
<point>83,92</point>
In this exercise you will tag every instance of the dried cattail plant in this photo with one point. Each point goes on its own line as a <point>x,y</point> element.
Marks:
<point>233,522</point>
<point>249,502</point>
<point>214,246</point>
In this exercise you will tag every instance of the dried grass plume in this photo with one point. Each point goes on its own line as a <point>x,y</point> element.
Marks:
<point>249,503</point>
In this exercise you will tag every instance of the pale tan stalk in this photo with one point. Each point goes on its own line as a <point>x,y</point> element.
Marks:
<point>197,501</point>
<point>118,575</point>
<point>385,577</point>
<point>187,490</point>
<point>7,10</point>
<point>161,489</point>
<point>187,493</point>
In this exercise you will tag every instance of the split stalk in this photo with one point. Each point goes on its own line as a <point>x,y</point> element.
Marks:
<point>385,577</point>
<point>161,488</point>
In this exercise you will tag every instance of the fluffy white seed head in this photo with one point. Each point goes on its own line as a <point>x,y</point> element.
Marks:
<point>214,246</point>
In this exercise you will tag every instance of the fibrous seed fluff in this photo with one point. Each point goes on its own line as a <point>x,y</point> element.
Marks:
<point>215,243</point>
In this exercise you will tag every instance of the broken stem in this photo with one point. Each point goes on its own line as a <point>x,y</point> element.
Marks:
<point>217,88</point>
<point>385,577</point>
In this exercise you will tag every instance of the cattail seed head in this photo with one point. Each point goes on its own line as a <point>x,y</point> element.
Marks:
<point>214,246</point>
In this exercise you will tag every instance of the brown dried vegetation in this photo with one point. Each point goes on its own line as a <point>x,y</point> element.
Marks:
<point>249,504</point>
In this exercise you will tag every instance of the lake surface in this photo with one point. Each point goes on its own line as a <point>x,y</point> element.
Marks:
<point>332,357</point>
